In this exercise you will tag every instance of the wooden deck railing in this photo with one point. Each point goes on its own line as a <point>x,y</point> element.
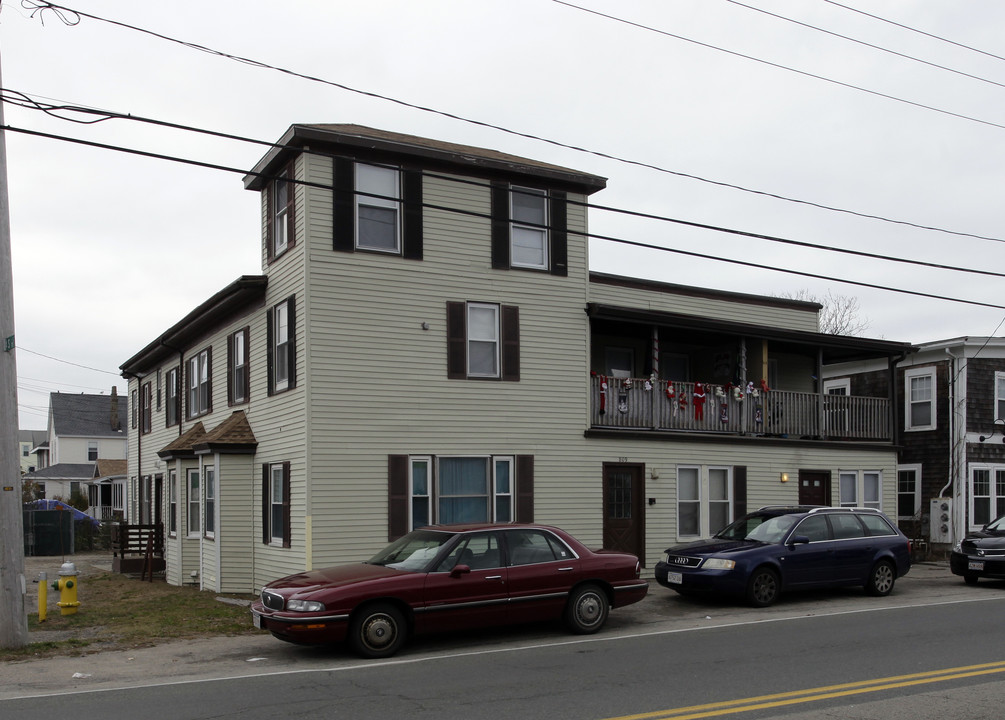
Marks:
<point>636,404</point>
<point>138,548</point>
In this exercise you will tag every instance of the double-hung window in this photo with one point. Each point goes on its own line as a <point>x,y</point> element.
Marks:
<point>146,408</point>
<point>237,367</point>
<point>378,208</point>
<point>281,335</point>
<point>483,341</point>
<point>173,503</point>
<point>529,228</point>
<point>709,497</point>
<point>92,450</point>
<point>427,490</point>
<point>276,504</point>
<point>919,397</point>
<point>172,416</point>
<point>999,396</point>
<point>987,494</point>
<point>209,501</point>
<point>908,491</point>
<point>861,488</point>
<point>199,390</point>
<point>280,214</point>
<point>194,501</point>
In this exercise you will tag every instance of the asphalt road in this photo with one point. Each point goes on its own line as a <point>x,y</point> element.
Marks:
<point>658,656</point>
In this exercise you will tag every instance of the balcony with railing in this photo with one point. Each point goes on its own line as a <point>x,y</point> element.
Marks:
<point>643,404</point>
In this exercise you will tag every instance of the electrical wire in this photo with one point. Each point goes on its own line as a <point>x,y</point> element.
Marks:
<point>915,30</point>
<point>587,235</point>
<point>66,362</point>
<point>850,86</point>
<point>40,6</point>
<point>107,115</point>
<point>864,43</point>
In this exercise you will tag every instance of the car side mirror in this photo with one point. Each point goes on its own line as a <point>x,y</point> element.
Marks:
<point>798,540</point>
<point>460,570</point>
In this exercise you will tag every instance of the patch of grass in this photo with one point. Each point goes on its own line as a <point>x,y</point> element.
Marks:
<point>119,612</point>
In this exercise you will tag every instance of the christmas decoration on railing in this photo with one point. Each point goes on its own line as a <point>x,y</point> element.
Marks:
<point>677,396</point>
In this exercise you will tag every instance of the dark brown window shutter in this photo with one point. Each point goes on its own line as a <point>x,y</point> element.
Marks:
<point>344,206</point>
<point>525,488</point>
<point>412,201</point>
<point>291,319</point>
<point>457,341</point>
<point>270,218</point>
<point>230,369</point>
<point>397,496</point>
<point>500,226</point>
<point>266,510</point>
<point>270,353</point>
<point>558,234</point>
<point>739,491</point>
<point>291,206</point>
<point>510,331</point>
<point>287,533</point>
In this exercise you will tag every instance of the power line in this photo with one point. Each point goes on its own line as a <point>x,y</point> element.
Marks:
<point>66,362</point>
<point>866,44</point>
<point>42,6</point>
<point>783,67</point>
<point>587,235</point>
<point>916,30</point>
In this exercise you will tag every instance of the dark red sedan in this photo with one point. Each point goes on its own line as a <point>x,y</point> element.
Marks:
<point>451,577</point>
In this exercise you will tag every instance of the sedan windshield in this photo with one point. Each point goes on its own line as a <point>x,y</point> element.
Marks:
<point>758,528</point>
<point>413,551</point>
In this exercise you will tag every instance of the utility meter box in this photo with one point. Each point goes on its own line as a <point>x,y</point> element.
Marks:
<point>940,520</point>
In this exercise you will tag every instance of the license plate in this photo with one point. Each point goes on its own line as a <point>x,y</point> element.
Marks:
<point>975,565</point>
<point>256,620</point>
<point>675,578</point>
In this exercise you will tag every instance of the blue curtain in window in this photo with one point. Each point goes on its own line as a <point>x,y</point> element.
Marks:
<point>464,490</point>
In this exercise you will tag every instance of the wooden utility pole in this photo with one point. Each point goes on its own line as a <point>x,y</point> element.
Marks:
<point>13,619</point>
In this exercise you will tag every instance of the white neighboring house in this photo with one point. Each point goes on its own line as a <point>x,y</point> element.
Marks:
<point>28,444</point>
<point>83,429</point>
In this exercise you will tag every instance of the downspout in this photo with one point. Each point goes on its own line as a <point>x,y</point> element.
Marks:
<point>957,447</point>
<point>139,436</point>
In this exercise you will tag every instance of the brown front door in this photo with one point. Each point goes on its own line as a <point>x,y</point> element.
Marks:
<point>624,492</point>
<point>814,487</point>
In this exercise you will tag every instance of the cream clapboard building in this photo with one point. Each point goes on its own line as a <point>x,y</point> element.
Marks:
<point>427,344</point>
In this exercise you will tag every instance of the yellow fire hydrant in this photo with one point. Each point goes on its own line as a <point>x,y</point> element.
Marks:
<point>67,586</point>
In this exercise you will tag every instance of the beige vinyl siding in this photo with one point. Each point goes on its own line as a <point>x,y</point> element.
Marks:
<point>379,382</point>
<point>720,308</point>
<point>236,480</point>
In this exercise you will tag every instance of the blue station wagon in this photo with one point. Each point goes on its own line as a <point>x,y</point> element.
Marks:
<point>783,548</point>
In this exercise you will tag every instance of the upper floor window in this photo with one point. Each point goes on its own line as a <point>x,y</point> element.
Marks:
<point>378,195</point>
<point>199,388</point>
<point>146,408</point>
<point>237,367</point>
<point>529,229</point>
<point>134,408</point>
<point>377,208</point>
<point>282,360</point>
<point>92,450</point>
<point>919,398</point>
<point>483,341</point>
<point>280,214</point>
<point>172,416</point>
<point>999,396</point>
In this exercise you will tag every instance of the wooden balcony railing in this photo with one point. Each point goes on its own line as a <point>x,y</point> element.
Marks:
<point>638,404</point>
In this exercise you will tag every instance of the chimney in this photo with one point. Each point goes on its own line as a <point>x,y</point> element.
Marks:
<point>115,409</point>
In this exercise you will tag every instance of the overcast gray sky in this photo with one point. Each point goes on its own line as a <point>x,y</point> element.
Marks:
<point>111,249</point>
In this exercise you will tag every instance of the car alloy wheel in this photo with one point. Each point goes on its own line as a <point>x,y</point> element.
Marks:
<point>377,631</point>
<point>763,588</point>
<point>587,610</point>
<point>881,579</point>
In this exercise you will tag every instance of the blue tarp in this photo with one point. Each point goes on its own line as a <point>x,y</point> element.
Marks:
<point>58,505</point>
